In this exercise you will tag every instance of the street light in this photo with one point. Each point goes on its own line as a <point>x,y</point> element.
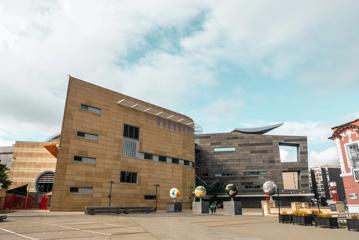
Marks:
<point>110,195</point>
<point>157,186</point>
<point>278,204</point>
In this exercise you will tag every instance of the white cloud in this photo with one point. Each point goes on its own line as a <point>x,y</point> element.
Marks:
<point>42,41</point>
<point>315,131</point>
<point>327,156</point>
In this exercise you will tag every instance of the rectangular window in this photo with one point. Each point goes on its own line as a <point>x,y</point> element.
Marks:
<point>255,173</point>
<point>90,108</point>
<point>85,190</point>
<point>224,149</point>
<point>131,132</point>
<point>186,162</point>
<point>130,147</point>
<point>148,156</point>
<point>89,160</point>
<point>353,154</point>
<point>88,136</point>
<point>150,197</point>
<point>162,159</point>
<point>175,160</point>
<point>288,152</point>
<point>128,177</point>
<point>225,174</point>
<point>290,180</point>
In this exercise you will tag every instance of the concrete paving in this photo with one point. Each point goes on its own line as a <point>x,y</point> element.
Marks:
<point>40,225</point>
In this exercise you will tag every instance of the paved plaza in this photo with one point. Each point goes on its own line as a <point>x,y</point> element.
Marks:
<point>251,226</point>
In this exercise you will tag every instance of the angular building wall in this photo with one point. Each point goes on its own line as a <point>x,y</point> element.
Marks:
<point>248,160</point>
<point>31,161</point>
<point>107,136</point>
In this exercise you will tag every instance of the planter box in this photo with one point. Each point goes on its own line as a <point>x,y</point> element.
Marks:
<point>353,224</point>
<point>302,220</point>
<point>285,218</point>
<point>326,222</point>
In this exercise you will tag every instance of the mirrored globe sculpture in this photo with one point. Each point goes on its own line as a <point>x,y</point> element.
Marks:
<point>231,190</point>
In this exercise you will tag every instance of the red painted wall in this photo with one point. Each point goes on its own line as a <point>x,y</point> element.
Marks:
<point>349,183</point>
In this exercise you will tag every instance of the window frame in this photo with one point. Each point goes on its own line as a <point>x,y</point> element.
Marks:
<point>125,177</point>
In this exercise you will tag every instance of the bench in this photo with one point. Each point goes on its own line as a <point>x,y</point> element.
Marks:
<point>118,210</point>
<point>2,217</point>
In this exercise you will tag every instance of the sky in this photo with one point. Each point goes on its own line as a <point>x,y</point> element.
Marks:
<point>228,65</point>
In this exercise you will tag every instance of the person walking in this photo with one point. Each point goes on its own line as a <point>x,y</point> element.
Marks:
<point>212,206</point>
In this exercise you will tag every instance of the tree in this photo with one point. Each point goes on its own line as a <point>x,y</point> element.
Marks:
<point>4,177</point>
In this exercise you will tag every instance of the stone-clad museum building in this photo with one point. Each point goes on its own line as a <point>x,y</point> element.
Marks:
<point>247,158</point>
<point>143,149</point>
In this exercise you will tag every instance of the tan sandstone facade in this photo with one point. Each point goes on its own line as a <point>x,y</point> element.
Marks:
<point>107,136</point>
<point>30,161</point>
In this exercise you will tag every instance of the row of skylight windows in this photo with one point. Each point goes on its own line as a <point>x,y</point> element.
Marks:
<point>225,174</point>
<point>159,158</point>
<point>233,174</point>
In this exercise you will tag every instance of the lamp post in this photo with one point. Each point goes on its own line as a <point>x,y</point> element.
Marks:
<point>110,195</point>
<point>278,199</point>
<point>157,186</point>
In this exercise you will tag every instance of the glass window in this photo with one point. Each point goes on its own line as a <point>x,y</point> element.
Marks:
<point>130,147</point>
<point>90,108</point>
<point>162,158</point>
<point>175,160</point>
<point>288,152</point>
<point>88,136</point>
<point>131,132</point>
<point>353,154</point>
<point>150,197</point>
<point>81,189</point>
<point>45,182</point>
<point>148,156</point>
<point>255,173</point>
<point>89,160</point>
<point>128,177</point>
<point>224,149</point>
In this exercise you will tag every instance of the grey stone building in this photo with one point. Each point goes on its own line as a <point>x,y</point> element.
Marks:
<point>6,154</point>
<point>248,158</point>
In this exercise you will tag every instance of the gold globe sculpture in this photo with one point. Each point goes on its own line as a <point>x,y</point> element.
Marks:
<point>200,192</point>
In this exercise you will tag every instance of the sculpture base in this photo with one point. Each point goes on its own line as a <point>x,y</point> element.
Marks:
<point>232,208</point>
<point>200,207</point>
<point>174,207</point>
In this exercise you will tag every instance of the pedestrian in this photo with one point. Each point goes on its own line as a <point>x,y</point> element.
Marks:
<point>212,207</point>
<point>215,206</point>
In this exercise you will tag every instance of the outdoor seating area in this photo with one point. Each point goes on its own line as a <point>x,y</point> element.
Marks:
<point>301,214</point>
